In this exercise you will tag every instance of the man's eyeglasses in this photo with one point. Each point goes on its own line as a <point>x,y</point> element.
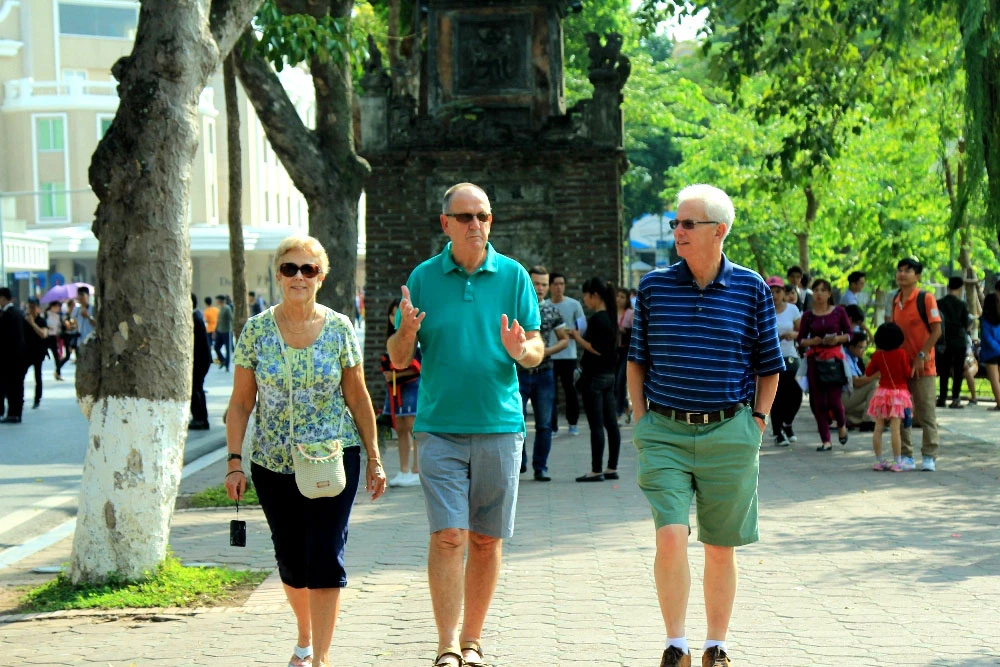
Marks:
<point>466,218</point>
<point>690,224</point>
<point>288,269</point>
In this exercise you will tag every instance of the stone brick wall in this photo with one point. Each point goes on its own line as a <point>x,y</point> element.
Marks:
<point>560,207</point>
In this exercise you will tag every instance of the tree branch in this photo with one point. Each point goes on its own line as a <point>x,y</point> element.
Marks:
<point>314,8</point>
<point>227,20</point>
<point>295,144</point>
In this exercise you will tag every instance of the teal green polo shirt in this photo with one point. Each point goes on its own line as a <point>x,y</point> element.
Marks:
<point>468,382</point>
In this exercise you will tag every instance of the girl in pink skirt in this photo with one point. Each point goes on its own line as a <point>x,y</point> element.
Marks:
<point>892,397</point>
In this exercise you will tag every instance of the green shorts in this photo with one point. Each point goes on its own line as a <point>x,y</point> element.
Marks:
<point>716,464</point>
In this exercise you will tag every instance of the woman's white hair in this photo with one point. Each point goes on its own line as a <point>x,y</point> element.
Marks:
<point>718,205</point>
<point>306,244</point>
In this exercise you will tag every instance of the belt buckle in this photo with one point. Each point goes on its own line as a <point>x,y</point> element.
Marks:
<point>703,415</point>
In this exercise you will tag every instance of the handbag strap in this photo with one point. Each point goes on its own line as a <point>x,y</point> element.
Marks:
<point>885,362</point>
<point>288,370</point>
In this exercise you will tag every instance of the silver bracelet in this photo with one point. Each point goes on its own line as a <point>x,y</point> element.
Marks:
<point>524,353</point>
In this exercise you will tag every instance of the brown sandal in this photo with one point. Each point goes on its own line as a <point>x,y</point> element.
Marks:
<point>440,660</point>
<point>473,645</point>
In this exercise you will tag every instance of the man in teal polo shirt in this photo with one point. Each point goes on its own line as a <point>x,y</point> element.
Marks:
<point>474,313</point>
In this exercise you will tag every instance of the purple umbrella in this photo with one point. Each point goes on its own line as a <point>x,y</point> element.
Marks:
<point>64,292</point>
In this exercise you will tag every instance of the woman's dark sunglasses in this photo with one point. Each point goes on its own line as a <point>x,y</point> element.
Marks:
<point>466,218</point>
<point>289,270</point>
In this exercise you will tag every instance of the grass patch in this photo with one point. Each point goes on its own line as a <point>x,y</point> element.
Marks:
<point>170,585</point>
<point>215,496</point>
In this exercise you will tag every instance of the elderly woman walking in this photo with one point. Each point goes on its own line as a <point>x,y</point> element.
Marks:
<point>304,362</point>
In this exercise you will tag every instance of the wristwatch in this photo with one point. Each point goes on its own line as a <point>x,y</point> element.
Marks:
<point>921,355</point>
<point>234,457</point>
<point>761,416</point>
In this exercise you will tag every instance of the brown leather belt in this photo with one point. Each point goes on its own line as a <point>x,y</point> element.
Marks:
<point>697,418</point>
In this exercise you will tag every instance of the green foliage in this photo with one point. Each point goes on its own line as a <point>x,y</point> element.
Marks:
<point>602,17</point>
<point>216,496</point>
<point>659,107</point>
<point>650,98</point>
<point>170,585</point>
<point>298,38</point>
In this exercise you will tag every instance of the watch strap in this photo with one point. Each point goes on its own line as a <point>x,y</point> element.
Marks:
<point>760,415</point>
<point>234,457</point>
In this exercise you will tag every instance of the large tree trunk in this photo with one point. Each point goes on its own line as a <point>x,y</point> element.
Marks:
<point>322,162</point>
<point>135,384</point>
<point>952,187</point>
<point>812,206</point>
<point>234,154</point>
<point>991,115</point>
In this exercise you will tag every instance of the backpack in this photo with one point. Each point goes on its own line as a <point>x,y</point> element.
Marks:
<point>939,346</point>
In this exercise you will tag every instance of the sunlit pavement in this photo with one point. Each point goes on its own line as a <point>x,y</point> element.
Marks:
<point>853,568</point>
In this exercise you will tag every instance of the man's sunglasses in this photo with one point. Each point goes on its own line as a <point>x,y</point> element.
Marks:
<point>466,218</point>
<point>690,224</point>
<point>288,269</point>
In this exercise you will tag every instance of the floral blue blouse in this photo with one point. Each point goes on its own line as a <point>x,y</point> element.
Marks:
<point>318,400</point>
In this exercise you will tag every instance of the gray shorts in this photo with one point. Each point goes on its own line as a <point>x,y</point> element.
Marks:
<point>470,481</point>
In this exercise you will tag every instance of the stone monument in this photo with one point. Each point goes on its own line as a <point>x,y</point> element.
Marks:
<point>492,110</point>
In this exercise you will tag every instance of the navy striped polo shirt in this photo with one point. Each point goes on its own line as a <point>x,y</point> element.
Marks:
<point>704,348</point>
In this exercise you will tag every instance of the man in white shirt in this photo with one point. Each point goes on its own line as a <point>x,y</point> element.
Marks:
<point>564,361</point>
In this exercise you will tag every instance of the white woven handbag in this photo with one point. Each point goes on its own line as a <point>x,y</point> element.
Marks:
<point>319,466</point>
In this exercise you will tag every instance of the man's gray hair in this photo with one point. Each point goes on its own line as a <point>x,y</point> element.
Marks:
<point>463,186</point>
<point>718,205</point>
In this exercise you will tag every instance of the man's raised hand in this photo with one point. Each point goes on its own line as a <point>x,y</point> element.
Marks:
<point>410,316</point>
<point>513,337</point>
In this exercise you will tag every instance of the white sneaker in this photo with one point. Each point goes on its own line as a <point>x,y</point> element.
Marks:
<point>573,430</point>
<point>398,479</point>
<point>410,479</point>
<point>927,464</point>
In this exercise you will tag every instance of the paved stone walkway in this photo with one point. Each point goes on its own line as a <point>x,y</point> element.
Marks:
<point>854,568</point>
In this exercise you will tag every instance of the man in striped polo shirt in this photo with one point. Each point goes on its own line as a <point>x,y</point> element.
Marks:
<point>702,373</point>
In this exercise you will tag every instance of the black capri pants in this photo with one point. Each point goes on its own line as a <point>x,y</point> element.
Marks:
<point>309,535</point>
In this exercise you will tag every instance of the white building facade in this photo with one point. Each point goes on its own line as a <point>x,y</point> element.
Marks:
<point>58,99</point>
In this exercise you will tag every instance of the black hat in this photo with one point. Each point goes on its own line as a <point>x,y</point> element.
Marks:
<point>888,337</point>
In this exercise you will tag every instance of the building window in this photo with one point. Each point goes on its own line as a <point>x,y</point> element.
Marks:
<point>52,201</point>
<point>103,125</point>
<point>97,21</point>
<point>75,76</point>
<point>210,140</point>
<point>50,134</point>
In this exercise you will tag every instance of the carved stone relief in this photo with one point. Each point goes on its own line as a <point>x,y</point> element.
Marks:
<point>492,55</point>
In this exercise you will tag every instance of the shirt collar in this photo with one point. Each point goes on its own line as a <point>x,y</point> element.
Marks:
<point>448,262</point>
<point>684,275</point>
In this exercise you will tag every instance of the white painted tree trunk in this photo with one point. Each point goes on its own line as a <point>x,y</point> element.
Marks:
<point>133,377</point>
<point>130,479</point>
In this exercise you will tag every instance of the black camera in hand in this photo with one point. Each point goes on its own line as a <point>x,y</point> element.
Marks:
<point>237,533</point>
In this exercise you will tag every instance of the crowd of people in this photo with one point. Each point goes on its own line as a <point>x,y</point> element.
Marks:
<point>28,337</point>
<point>701,357</point>
<point>923,347</point>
